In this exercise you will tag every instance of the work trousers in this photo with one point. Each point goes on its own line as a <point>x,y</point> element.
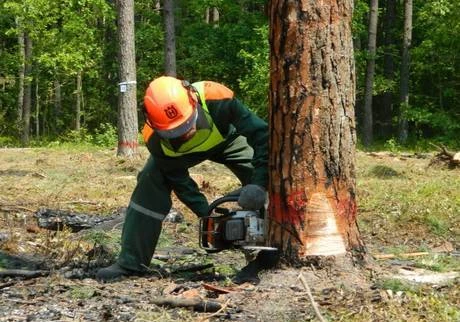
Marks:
<point>151,201</point>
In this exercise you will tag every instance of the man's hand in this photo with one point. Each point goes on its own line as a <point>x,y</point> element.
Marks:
<point>252,197</point>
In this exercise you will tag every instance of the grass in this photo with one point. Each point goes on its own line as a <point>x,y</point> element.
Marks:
<point>403,206</point>
<point>420,200</point>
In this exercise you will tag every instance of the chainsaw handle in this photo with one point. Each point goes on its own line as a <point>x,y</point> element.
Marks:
<point>224,199</point>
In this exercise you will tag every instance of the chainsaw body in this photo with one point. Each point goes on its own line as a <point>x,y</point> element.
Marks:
<point>226,228</point>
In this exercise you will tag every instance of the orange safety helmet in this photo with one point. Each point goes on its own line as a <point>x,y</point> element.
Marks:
<point>170,106</point>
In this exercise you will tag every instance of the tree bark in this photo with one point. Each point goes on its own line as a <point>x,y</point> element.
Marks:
<point>127,111</point>
<point>312,208</point>
<point>405,62</point>
<point>170,38</point>
<point>368,126</point>
<point>27,100</point>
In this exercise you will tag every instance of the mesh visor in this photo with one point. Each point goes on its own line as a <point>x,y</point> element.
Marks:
<point>181,129</point>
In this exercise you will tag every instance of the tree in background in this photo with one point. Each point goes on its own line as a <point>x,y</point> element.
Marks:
<point>27,91</point>
<point>170,38</point>
<point>405,61</point>
<point>386,110</point>
<point>127,103</point>
<point>312,209</point>
<point>368,126</point>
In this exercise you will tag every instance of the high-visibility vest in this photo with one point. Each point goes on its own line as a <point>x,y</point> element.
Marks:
<point>204,139</point>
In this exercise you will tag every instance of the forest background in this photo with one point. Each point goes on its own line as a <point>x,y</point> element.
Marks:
<point>60,58</point>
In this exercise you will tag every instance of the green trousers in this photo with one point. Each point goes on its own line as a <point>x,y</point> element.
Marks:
<point>151,201</point>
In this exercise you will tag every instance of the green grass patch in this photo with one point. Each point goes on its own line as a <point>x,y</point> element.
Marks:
<point>82,292</point>
<point>383,172</point>
<point>439,263</point>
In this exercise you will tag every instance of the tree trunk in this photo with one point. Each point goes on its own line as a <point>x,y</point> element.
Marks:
<point>405,61</point>
<point>388,68</point>
<point>170,38</point>
<point>37,109</point>
<point>127,111</point>
<point>57,105</point>
<point>312,209</point>
<point>27,100</point>
<point>78,102</point>
<point>22,58</point>
<point>368,127</point>
<point>212,15</point>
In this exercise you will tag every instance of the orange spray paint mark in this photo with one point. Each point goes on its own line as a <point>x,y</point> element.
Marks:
<point>291,211</point>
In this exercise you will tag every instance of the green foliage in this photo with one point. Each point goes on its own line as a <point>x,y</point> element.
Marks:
<point>392,145</point>
<point>105,136</point>
<point>254,84</point>
<point>77,137</point>
<point>72,36</point>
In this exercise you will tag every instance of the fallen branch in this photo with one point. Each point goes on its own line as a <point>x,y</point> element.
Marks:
<point>7,284</point>
<point>217,312</point>
<point>11,208</point>
<point>310,296</point>
<point>22,273</point>
<point>195,303</point>
<point>388,256</point>
<point>445,156</point>
<point>216,289</point>
<point>192,268</point>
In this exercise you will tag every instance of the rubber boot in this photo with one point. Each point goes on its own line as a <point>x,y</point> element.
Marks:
<point>114,272</point>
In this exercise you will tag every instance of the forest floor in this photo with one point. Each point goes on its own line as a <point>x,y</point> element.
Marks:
<point>408,218</point>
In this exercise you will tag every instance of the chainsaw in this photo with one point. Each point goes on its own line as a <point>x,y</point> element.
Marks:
<point>232,228</point>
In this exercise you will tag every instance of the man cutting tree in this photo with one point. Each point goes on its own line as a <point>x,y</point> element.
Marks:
<point>187,124</point>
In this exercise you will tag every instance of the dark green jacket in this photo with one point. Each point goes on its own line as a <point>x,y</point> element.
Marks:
<point>232,119</point>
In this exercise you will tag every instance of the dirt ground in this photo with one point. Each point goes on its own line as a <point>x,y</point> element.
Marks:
<point>97,183</point>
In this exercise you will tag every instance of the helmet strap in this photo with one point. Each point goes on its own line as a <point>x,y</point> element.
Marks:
<point>191,89</point>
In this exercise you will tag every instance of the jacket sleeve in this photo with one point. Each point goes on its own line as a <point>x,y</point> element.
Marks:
<point>187,191</point>
<point>252,127</point>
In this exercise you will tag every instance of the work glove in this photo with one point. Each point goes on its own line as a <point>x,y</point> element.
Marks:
<point>252,197</point>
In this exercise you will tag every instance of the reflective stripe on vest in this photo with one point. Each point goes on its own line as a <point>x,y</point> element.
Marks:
<point>213,139</point>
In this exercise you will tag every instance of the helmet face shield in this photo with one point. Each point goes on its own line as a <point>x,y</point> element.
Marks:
<point>181,129</point>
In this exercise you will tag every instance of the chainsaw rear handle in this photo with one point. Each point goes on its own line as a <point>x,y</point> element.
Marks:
<point>214,205</point>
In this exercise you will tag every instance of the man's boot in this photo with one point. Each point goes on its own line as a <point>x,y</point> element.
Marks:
<point>248,274</point>
<point>266,259</point>
<point>114,272</point>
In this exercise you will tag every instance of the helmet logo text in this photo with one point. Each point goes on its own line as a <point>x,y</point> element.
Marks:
<point>171,112</point>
